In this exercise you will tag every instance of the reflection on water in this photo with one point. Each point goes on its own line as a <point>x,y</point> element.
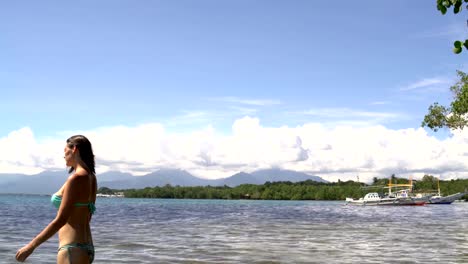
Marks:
<point>216,231</point>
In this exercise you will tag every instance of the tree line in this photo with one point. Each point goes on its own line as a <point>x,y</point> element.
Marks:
<point>306,190</point>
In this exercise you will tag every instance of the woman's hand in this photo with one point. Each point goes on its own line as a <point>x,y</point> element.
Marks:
<point>24,252</point>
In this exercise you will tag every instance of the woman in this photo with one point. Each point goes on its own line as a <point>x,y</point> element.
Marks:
<point>75,203</point>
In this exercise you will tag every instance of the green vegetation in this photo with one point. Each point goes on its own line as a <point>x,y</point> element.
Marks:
<point>307,190</point>
<point>443,6</point>
<point>456,115</point>
<point>105,190</point>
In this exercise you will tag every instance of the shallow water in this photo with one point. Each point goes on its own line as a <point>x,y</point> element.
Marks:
<point>219,231</point>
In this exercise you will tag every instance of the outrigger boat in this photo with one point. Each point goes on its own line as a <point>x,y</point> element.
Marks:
<point>397,198</point>
<point>439,199</point>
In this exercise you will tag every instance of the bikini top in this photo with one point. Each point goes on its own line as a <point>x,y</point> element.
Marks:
<point>57,200</point>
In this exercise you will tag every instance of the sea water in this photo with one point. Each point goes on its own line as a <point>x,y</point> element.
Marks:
<point>246,231</point>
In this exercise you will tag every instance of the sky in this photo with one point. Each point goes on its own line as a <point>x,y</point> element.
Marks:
<point>218,87</point>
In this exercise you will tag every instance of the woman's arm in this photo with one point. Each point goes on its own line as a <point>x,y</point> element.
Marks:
<point>93,192</point>
<point>70,192</point>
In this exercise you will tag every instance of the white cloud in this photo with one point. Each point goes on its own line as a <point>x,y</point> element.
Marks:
<point>21,153</point>
<point>190,117</point>
<point>332,117</point>
<point>380,103</point>
<point>428,83</point>
<point>243,110</point>
<point>340,152</point>
<point>347,112</point>
<point>244,101</point>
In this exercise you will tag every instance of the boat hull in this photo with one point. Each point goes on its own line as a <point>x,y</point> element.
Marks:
<point>388,202</point>
<point>446,199</point>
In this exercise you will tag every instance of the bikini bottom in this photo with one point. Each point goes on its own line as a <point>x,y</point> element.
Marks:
<point>88,248</point>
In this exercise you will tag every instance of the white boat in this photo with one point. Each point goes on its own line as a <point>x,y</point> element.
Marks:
<point>370,199</point>
<point>439,199</point>
<point>396,199</point>
<point>401,197</point>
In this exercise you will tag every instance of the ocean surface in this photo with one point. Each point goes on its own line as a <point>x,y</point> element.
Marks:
<point>219,231</point>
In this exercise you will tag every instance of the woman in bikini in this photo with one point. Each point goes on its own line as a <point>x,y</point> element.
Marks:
<point>75,204</point>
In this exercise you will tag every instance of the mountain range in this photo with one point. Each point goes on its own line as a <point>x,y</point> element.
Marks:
<point>48,182</point>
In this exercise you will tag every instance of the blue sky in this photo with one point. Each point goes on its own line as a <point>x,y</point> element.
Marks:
<point>81,66</point>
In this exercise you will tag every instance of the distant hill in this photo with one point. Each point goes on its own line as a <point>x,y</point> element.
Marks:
<point>268,175</point>
<point>176,177</point>
<point>159,178</point>
<point>5,178</point>
<point>275,175</point>
<point>240,178</point>
<point>114,176</point>
<point>50,181</point>
<point>47,182</point>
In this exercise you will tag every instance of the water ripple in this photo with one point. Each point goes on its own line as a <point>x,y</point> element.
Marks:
<point>216,231</point>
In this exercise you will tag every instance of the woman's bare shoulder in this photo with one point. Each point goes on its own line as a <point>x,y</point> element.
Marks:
<point>80,173</point>
<point>77,177</point>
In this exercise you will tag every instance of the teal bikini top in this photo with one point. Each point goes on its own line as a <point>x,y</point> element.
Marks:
<point>57,200</point>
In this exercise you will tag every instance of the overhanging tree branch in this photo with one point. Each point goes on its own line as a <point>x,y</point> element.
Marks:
<point>454,116</point>
<point>443,6</point>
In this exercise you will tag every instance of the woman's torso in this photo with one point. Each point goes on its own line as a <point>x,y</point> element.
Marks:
<point>77,228</point>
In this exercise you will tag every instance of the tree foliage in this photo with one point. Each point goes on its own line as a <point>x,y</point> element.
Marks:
<point>443,6</point>
<point>454,116</point>
<point>307,190</point>
<point>105,190</point>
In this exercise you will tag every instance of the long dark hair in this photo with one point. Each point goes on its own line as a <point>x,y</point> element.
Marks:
<point>86,152</point>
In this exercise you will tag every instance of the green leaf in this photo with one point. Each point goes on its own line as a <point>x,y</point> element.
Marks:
<point>457,44</point>
<point>443,9</point>
<point>457,7</point>
<point>466,44</point>
<point>436,118</point>
<point>446,3</point>
<point>457,50</point>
